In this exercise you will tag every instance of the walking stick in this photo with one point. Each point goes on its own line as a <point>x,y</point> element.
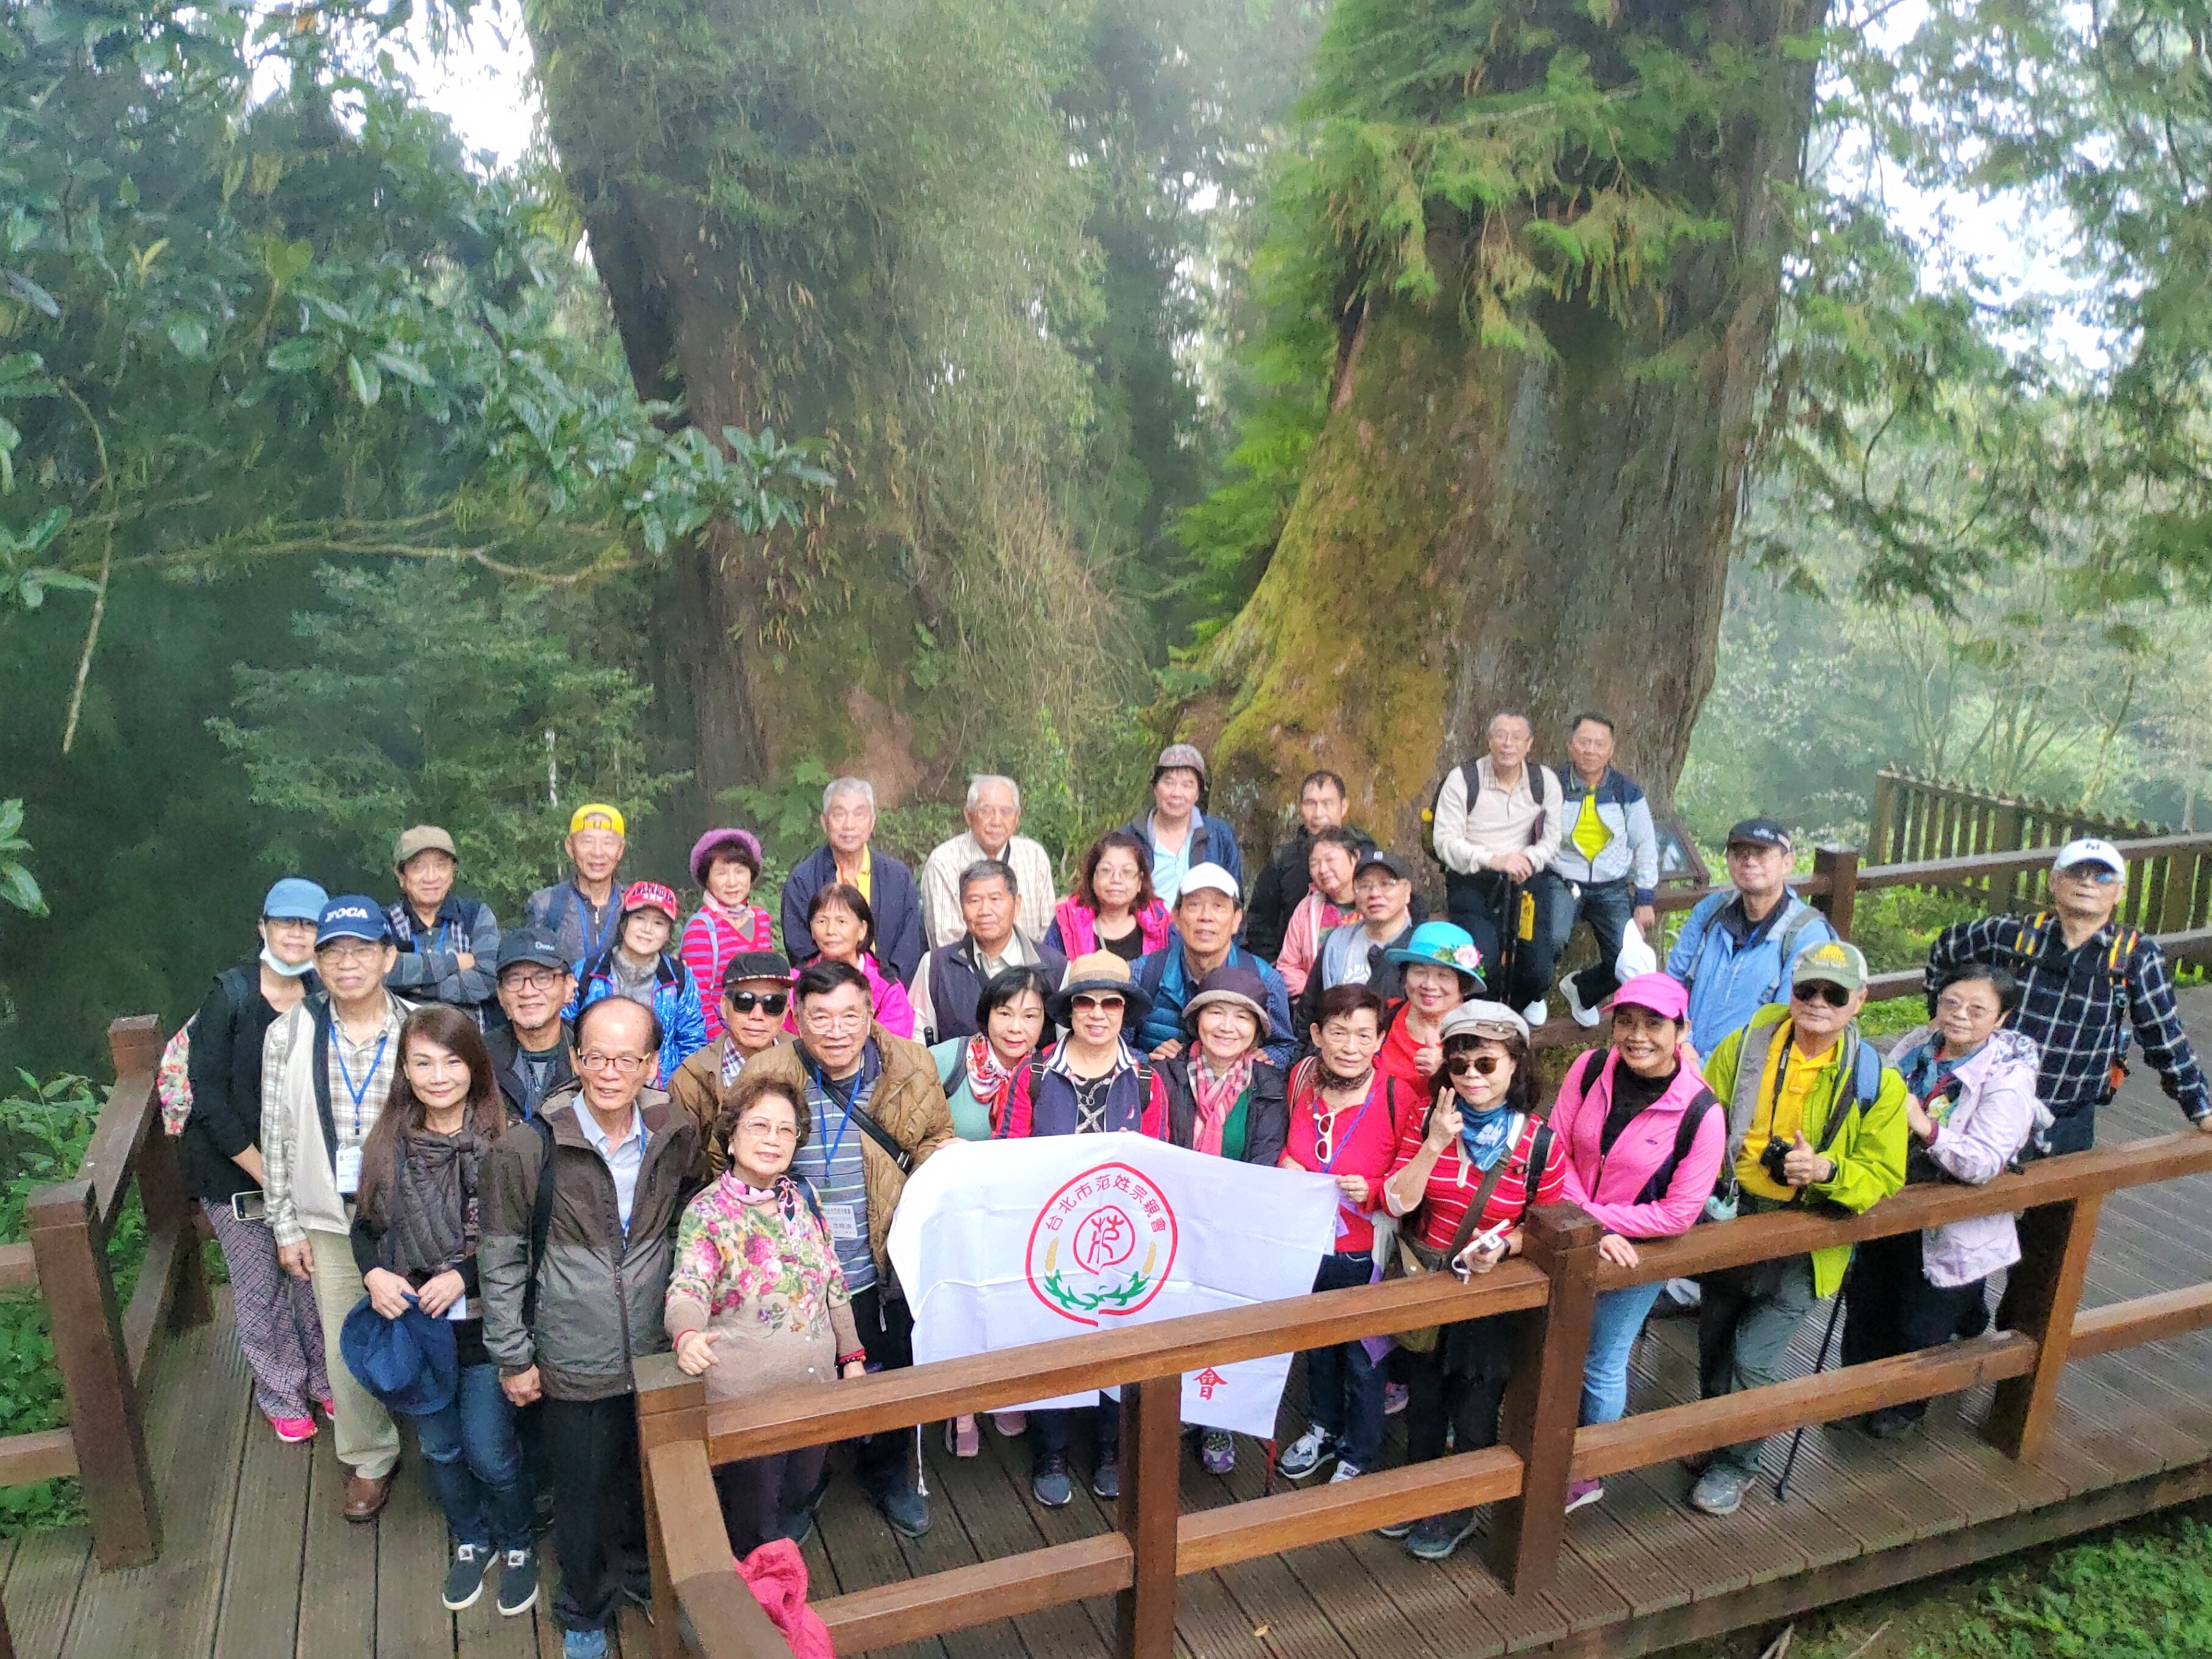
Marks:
<point>1835,1313</point>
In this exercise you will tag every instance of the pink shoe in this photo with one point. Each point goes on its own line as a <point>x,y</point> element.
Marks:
<point>961,1438</point>
<point>329,1407</point>
<point>293,1430</point>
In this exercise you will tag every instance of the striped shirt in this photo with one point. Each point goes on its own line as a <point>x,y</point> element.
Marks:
<point>1454,1182</point>
<point>832,1163</point>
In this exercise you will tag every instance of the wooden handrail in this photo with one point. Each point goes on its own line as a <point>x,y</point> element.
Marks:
<point>1937,872</point>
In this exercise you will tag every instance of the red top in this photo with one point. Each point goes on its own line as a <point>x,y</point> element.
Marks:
<point>711,938</point>
<point>1363,1141</point>
<point>1454,1182</point>
<point>1395,1057</point>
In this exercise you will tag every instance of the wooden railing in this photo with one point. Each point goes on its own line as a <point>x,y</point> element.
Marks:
<point>1916,817</point>
<point>1551,1293</point>
<point>101,1347</point>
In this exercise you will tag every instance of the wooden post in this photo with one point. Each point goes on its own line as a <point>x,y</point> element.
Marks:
<point>1543,1403</point>
<point>2005,838</point>
<point>69,1249</point>
<point>2054,1242</point>
<point>1880,837</point>
<point>1840,864</point>
<point>1152,1503</point>
<point>670,1406</point>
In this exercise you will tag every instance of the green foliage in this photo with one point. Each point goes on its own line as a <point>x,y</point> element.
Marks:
<point>429,695</point>
<point>19,888</point>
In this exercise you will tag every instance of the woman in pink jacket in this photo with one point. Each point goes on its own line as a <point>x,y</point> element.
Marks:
<point>1645,1139</point>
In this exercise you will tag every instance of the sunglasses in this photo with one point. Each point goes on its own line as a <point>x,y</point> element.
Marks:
<point>1834,995</point>
<point>768,1002</point>
<point>2102,875</point>
<point>1097,1004</point>
<point>1480,1065</point>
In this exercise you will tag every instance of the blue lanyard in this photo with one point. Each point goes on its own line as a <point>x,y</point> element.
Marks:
<point>593,946</point>
<point>358,1095</point>
<point>1329,1168</point>
<point>829,1157</point>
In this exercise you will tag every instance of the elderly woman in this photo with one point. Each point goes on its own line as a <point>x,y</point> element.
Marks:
<point>1466,1175</point>
<point>1226,1097</point>
<point>1972,1107</point>
<point>1645,1139</point>
<point>1178,831</point>
<point>1113,907</point>
<point>843,928</point>
<point>725,863</point>
<point>638,965</point>
<point>758,1303</point>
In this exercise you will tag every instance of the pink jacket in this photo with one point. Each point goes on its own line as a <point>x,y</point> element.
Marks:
<point>1996,1114</point>
<point>776,1575</point>
<point>1608,1186</point>
<point>1313,917</point>
<point>1074,930</point>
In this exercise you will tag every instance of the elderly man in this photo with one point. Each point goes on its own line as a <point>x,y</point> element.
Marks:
<point>849,823</point>
<point>530,1048</point>
<point>2086,985</point>
<point>1178,832</point>
<point>951,979</point>
<point>876,1110</point>
<point>1496,830</point>
<point>1287,877</point>
<point>1737,947</point>
<point>1608,864</point>
<point>573,1295</point>
<point>584,913</point>
<point>993,814</point>
<point>1207,914</point>
<point>755,991</point>
<point>447,944</point>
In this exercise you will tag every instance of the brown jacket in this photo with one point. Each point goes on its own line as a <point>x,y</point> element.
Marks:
<point>697,1088</point>
<point>908,1101</point>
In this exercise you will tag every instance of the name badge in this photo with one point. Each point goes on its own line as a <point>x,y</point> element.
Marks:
<point>349,1170</point>
<point>844,1220</point>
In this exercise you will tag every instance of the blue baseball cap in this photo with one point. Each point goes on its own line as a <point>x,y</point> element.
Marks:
<point>294,899</point>
<point>410,1363</point>
<point>353,916</point>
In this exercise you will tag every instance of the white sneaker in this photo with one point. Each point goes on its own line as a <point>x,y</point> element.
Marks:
<point>1345,1472</point>
<point>1536,1013</point>
<point>1585,1017</point>
<point>1305,1455</point>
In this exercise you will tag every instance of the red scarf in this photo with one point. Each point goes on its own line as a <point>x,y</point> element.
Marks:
<point>1217,1098</point>
<point>989,1080</point>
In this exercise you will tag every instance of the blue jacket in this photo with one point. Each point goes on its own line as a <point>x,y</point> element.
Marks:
<point>1212,841</point>
<point>1165,976</point>
<point>675,1001</point>
<point>1733,970</point>
<point>892,896</point>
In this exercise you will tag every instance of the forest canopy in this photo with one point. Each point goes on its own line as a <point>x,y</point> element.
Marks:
<point>922,389</point>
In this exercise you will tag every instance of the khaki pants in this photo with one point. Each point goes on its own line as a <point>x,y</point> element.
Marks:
<point>368,1440</point>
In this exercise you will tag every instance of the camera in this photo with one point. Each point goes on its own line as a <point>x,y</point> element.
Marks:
<point>1772,1160</point>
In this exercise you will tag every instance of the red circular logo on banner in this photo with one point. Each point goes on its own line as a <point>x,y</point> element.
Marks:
<point>1101,1246</point>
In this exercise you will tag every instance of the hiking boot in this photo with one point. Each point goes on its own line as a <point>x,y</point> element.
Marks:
<point>1217,1452</point>
<point>1436,1538</point>
<point>465,1576</point>
<point>1580,1494</point>
<point>1395,1529</point>
<point>1720,1490</point>
<point>518,1582</point>
<point>1048,1481</point>
<point>1305,1455</point>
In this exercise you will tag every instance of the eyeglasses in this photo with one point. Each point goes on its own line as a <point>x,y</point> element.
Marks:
<point>544,982</point>
<point>618,1064</point>
<point>1480,1065</point>
<point>768,1002</point>
<point>764,1128</point>
<point>350,952</point>
<point>828,1025</point>
<point>1834,995</point>
<point>2102,874</point>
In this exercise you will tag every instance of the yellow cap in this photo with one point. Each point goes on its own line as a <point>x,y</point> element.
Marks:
<point>596,815</point>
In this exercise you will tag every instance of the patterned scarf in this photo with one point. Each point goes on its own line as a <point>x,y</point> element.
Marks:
<point>784,1195</point>
<point>1485,1137</point>
<point>989,1080</point>
<point>1216,1096</point>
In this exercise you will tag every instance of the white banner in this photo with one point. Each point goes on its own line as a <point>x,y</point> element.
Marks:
<point>1003,1242</point>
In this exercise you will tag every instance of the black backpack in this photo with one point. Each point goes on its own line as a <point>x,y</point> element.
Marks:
<point>1466,771</point>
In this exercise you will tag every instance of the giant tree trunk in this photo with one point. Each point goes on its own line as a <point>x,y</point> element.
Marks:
<point>1479,529</point>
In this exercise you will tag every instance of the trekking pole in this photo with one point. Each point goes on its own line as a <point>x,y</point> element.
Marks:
<point>1835,1313</point>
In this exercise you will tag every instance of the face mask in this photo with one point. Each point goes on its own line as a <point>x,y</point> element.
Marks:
<point>286,969</point>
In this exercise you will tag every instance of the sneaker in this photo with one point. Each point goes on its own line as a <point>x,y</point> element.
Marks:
<point>795,1524</point>
<point>1720,1490</point>
<point>518,1582</point>
<point>1305,1455</point>
<point>1891,1423</point>
<point>1395,1529</point>
<point>465,1576</point>
<point>904,1508</point>
<point>1345,1472</point>
<point>1010,1424</point>
<point>1048,1481</point>
<point>1394,1398</point>
<point>1106,1479</point>
<point>1580,1494</point>
<point>1585,1017</point>
<point>293,1430</point>
<point>329,1407</point>
<point>962,1437</point>
<point>1436,1538</point>
<point>1681,1295</point>
<point>1218,1452</point>
<point>583,1645</point>
<point>1536,1013</point>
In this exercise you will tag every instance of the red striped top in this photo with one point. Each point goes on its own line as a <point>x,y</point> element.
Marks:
<point>710,938</point>
<point>1454,1182</point>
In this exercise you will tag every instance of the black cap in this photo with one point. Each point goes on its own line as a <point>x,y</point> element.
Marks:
<point>528,944</point>
<point>755,964</point>
<point>1382,859</point>
<point>1759,832</point>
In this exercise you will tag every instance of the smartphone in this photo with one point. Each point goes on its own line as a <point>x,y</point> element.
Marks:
<point>250,1207</point>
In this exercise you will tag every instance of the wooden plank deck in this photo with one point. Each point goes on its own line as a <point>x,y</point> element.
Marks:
<point>257,1563</point>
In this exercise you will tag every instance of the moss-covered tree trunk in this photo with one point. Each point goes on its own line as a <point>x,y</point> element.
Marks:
<point>1480,528</point>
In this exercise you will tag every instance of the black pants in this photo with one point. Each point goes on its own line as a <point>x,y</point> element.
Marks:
<point>1489,907</point>
<point>887,1334</point>
<point>1051,1431</point>
<point>1461,1382</point>
<point>757,1493</point>
<point>598,1507</point>
<point>1891,1308</point>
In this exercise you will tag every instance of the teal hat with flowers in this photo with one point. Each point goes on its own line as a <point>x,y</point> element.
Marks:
<point>1445,945</point>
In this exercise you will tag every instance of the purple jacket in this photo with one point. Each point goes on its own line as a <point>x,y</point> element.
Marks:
<point>1610,1186</point>
<point>1996,1112</point>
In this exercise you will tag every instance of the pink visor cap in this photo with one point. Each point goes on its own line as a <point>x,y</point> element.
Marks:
<point>1663,995</point>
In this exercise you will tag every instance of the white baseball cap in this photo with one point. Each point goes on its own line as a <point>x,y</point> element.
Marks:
<point>2091,850</point>
<point>1208,878</point>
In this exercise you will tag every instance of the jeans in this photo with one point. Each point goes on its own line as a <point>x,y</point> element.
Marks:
<point>1608,907</point>
<point>1619,1320</point>
<point>1745,1322</point>
<point>598,1507</point>
<point>1344,1387</point>
<point>1890,1307</point>
<point>887,1335</point>
<point>1480,903</point>
<point>1459,1383</point>
<point>476,1464</point>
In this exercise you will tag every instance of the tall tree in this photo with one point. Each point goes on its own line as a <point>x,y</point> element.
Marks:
<point>1548,238</point>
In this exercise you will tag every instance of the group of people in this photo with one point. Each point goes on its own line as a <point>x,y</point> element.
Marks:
<point>468,1176</point>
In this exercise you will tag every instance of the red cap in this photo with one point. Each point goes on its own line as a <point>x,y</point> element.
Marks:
<point>651,896</point>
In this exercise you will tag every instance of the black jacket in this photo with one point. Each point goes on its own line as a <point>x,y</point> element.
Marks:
<point>225,1068</point>
<point>500,1040</point>
<point>1282,884</point>
<point>956,986</point>
<point>1266,1115</point>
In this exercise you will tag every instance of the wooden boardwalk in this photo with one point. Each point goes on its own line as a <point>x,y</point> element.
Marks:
<point>257,1563</point>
